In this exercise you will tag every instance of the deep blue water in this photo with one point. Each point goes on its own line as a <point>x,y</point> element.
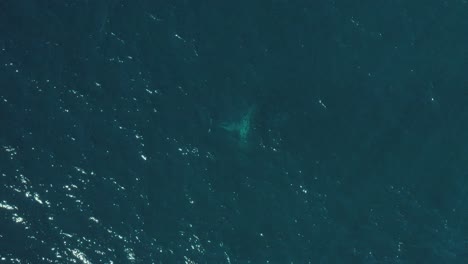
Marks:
<point>267,131</point>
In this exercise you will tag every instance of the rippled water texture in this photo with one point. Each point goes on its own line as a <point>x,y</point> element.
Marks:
<point>233,132</point>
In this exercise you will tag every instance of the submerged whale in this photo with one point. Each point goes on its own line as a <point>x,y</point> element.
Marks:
<point>241,128</point>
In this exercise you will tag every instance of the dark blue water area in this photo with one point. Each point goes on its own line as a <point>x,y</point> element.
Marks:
<point>268,131</point>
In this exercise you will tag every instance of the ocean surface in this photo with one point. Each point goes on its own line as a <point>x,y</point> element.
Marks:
<point>266,131</point>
